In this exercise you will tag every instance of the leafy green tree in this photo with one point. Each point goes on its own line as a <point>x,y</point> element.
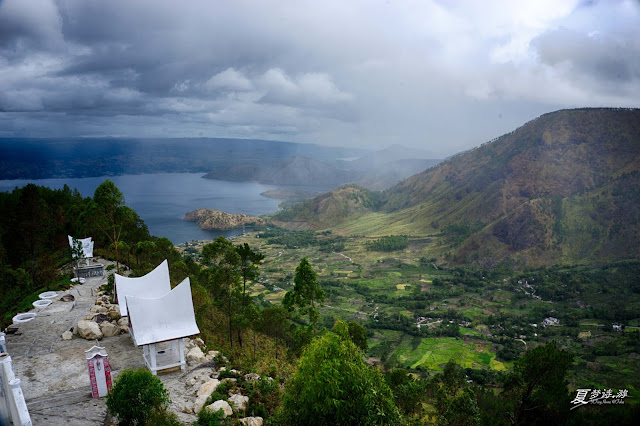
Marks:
<point>249,261</point>
<point>224,275</point>
<point>305,293</point>
<point>455,402</point>
<point>358,335</point>
<point>408,393</point>
<point>274,323</point>
<point>136,395</point>
<point>109,214</point>
<point>334,386</point>
<point>536,390</point>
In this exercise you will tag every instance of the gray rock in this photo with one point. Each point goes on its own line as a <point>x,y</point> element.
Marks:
<point>239,402</point>
<point>89,330</point>
<point>109,329</point>
<point>251,421</point>
<point>99,309</point>
<point>195,355</point>
<point>251,377</point>
<point>208,387</point>
<point>68,298</point>
<point>200,401</point>
<point>220,405</point>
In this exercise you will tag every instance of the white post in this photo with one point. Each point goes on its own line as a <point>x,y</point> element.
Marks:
<point>154,366</point>
<point>181,349</point>
<point>22,416</point>
<point>3,344</point>
<point>5,411</point>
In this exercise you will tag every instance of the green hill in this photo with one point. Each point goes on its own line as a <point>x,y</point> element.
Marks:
<point>561,188</point>
<point>328,209</point>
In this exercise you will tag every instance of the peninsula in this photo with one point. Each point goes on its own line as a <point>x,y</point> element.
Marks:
<point>216,219</point>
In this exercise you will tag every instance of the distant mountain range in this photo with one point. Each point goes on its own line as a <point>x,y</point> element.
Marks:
<point>270,162</point>
<point>564,187</point>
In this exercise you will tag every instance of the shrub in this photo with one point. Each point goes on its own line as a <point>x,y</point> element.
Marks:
<point>210,418</point>
<point>333,385</point>
<point>136,395</point>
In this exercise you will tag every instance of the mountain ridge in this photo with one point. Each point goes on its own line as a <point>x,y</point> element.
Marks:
<point>555,189</point>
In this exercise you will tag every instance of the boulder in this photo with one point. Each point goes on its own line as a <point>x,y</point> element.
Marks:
<point>109,329</point>
<point>123,322</point>
<point>114,315</point>
<point>123,330</point>
<point>188,345</point>
<point>251,421</point>
<point>220,405</point>
<point>251,377</point>
<point>99,309</point>
<point>67,298</point>
<point>195,355</point>
<point>186,408</point>
<point>102,318</point>
<point>89,330</point>
<point>199,342</point>
<point>208,387</point>
<point>200,401</point>
<point>67,335</point>
<point>239,402</point>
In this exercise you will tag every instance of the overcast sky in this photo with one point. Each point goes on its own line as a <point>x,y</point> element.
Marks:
<point>439,75</point>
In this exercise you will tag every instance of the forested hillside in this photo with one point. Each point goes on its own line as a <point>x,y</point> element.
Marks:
<point>561,188</point>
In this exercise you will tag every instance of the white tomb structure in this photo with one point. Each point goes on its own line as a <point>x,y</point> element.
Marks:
<point>84,267</point>
<point>87,246</point>
<point>155,284</point>
<point>163,320</point>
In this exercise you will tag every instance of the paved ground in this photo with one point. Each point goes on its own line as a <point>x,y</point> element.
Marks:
<point>54,373</point>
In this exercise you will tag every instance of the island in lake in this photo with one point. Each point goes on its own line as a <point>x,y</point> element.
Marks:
<point>216,219</point>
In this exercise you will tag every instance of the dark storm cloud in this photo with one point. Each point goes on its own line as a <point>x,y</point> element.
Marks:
<point>363,72</point>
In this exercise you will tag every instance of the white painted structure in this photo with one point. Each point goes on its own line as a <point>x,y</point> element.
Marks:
<point>166,319</point>
<point>13,408</point>
<point>155,284</point>
<point>87,246</point>
<point>99,371</point>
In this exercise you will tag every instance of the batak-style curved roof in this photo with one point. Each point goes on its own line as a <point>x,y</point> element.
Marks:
<point>164,318</point>
<point>155,284</point>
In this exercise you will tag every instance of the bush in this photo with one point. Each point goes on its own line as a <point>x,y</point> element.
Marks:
<point>333,385</point>
<point>210,418</point>
<point>137,397</point>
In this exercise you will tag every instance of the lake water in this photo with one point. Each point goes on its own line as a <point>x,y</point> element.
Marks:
<point>161,200</point>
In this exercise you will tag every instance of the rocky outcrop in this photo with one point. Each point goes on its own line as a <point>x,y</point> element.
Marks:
<point>239,402</point>
<point>195,355</point>
<point>251,421</point>
<point>89,330</point>
<point>220,405</point>
<point>216,219</point>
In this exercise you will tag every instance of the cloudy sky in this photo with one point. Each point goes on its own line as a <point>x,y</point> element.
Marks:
<point>442,75</point>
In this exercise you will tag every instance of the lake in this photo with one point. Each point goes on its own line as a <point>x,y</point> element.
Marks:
<point>161,200</point>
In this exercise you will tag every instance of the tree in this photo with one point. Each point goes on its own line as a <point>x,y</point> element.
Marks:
<point>358,335</point>
<point>136,395</point>
<point>305,293</point>
<point>536,388</point>
<point>249,261</point>
<point>224,275</point>
<point>108,213</point>
<point>273,323</point>
<point>333,385</point>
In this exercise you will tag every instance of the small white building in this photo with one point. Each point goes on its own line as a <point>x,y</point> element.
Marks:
<point>155,284</point>
<point>164,321</point>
